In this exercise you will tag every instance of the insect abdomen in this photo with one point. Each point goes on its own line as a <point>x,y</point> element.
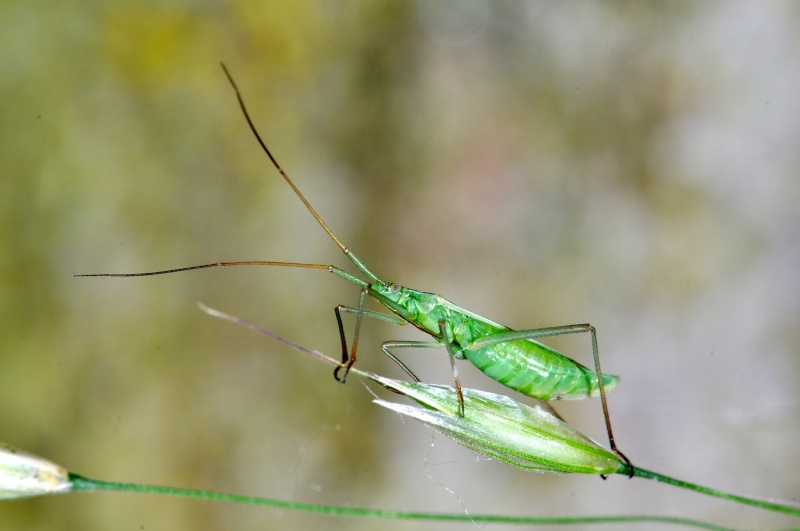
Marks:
<point>536,370</point>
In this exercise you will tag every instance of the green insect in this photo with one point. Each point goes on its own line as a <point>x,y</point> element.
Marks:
<point>513,358</point>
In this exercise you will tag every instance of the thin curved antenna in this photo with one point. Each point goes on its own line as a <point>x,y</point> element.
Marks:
<point>278,166</point>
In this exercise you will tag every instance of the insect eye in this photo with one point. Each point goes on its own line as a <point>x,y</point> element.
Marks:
<point>394,288</point>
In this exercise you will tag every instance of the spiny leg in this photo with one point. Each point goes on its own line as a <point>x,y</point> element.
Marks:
<point>536,333</point>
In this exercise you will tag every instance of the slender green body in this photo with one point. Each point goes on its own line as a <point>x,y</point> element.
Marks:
<point>524,365</point>
<point>513,358</point>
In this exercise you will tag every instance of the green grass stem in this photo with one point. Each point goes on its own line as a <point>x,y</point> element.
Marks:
<point>769,505</point>
<point>84,484</point>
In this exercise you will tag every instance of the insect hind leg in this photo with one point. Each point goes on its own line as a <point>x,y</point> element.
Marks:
<point>596,354</point>
<point>536,333</point>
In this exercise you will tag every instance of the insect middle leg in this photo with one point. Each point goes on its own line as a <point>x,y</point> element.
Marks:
<point>453,352</point>
<point>349,359</point>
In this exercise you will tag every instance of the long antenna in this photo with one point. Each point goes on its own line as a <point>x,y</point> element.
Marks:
<point>257,262</point>
<point>344,249</point>
<point>216,264</point>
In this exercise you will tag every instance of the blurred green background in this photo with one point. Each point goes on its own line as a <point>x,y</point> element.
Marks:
<point>633,166</point>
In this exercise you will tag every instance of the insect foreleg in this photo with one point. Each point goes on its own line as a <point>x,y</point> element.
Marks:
<point>352,356</point>
<point>348,359</point>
